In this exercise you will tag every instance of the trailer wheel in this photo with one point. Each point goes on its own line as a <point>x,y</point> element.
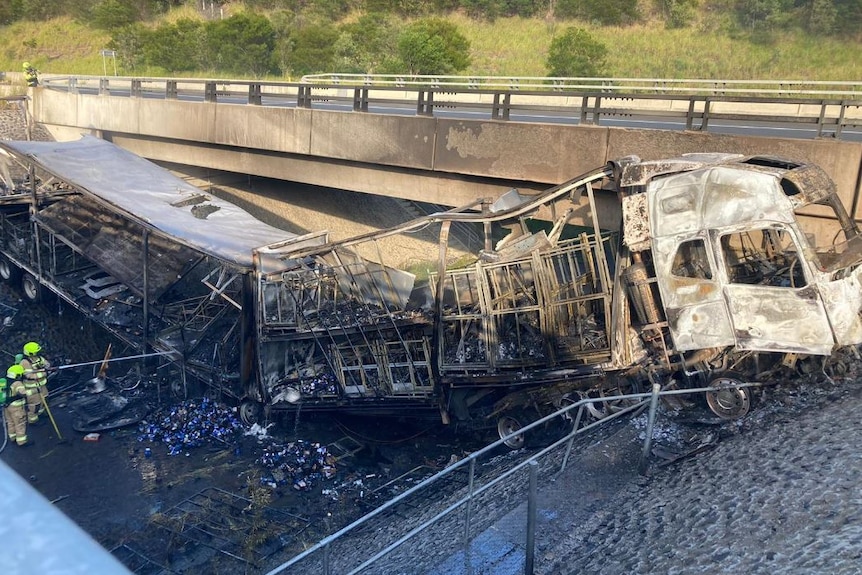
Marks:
<point>250,411</point>
<point>31,288</point>
<point>9,272</point>
<point>511,421</point>
<point>728,401</point>
<point>178,385</point>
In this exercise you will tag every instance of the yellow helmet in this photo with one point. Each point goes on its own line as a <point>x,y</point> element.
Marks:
<point>32,348</point>
<point>15,372</point>
<point>26,65</point>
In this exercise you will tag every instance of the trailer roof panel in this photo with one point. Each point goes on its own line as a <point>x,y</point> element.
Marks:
<point>153,195</point>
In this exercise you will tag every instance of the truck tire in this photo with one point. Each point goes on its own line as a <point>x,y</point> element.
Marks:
<point>31,288</point>
<point>250,411</point>
<point>9,272</point>
<point>728,402</point>
<point>508,423</point>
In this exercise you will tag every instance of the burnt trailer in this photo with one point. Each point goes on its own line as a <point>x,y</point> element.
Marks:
<point>725,269</point>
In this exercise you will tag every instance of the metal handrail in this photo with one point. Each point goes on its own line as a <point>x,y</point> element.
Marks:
<point>641,399</point>
<point>621,85</point>
<point>818,116</point>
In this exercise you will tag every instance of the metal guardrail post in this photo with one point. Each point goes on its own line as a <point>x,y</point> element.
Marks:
<point>103,87</point>
<point>425,103</point>
<point>255,94</point>
<point>653,404</point>
<point>360,100</point>
<point>840,122</point>
<point>501,111</point>
<point>171,90</point>
<point>210,90</point>
<point>135,90</point>
<point>468,512</point>
<point>585,101</point>
<point>303,97</point>
<point>704,121</point>
<point>530,558</point>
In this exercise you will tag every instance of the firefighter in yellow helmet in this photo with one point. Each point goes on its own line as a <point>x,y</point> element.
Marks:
<point>15,405</point>
<point>31,75</point>
<point>35,380</point>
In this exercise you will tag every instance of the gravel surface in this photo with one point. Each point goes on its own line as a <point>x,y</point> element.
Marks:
<point>780,495</point>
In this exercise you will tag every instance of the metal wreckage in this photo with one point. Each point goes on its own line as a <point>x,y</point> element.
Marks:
<point>726,268</point>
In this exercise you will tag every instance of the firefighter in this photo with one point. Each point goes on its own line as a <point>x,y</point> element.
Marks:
<point>31,75</point>
<point>35,380</point>
<point>15,405</point>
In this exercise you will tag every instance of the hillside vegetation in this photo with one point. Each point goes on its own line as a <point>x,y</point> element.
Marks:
<point>283,40</point>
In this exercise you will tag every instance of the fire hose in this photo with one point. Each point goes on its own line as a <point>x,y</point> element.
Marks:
<point>100,378</point>
<point>103,361</point>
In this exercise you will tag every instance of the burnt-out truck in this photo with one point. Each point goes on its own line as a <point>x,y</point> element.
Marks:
<point>724,269</point>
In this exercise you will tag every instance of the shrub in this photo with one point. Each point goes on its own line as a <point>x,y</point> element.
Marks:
<point>576,53</point>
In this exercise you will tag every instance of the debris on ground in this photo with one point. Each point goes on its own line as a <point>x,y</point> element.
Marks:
<point>301,464</point>
<point>190,424</point>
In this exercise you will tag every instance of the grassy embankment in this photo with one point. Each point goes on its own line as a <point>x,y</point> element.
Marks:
<point>518,47</point>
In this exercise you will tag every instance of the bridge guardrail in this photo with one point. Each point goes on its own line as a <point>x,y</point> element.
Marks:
<point>822,116</point>
<point>455,511</point>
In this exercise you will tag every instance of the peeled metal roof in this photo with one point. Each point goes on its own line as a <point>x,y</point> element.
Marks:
<point>154,196</point>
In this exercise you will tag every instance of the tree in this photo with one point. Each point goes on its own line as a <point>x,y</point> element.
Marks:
<point>365,44</point>
<point>609,12</point>
<point>241,44</point>
<point>175,47</point>
<point>677,13</point>
<point>128,42</point>
<point>822,17</point>
<point>313,49</point>
<point>111,14</point>
<point>433,46</point>
<point>576,53</point>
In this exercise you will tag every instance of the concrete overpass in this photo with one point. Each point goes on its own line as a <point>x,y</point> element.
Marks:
<point>439,160</point>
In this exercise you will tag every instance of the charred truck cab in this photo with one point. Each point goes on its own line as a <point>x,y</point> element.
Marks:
<point>725,269</point>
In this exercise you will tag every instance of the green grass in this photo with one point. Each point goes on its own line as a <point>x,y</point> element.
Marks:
<point>58,46</point>
<point>518,47</point>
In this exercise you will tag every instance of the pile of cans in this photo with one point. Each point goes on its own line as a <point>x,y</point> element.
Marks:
<point>189,424</point>
<point>300,464</point>
<point>325,384</point>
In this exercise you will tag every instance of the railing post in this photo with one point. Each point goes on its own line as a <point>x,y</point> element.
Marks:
<point>704,123</point>
<point>468,512</point>
<point>254,94</point>
<point>529,561</point>
<point>653,405</point>
<point>840,122</point>
<point>425,103</point>
<point>303,97</point>
<point>210,92</point>
<point>360,99</point>
<point>171,91</point>
<point>821,119</point>
<point>575,426</point>
<point>501,111</point>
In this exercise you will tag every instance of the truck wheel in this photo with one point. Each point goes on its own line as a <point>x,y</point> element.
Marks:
<point>9,272</point>
<point>31,288</point>
<point>509,423</point>
<point>727,401</point>
<point>250,412</point>
<point>182,386</point>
